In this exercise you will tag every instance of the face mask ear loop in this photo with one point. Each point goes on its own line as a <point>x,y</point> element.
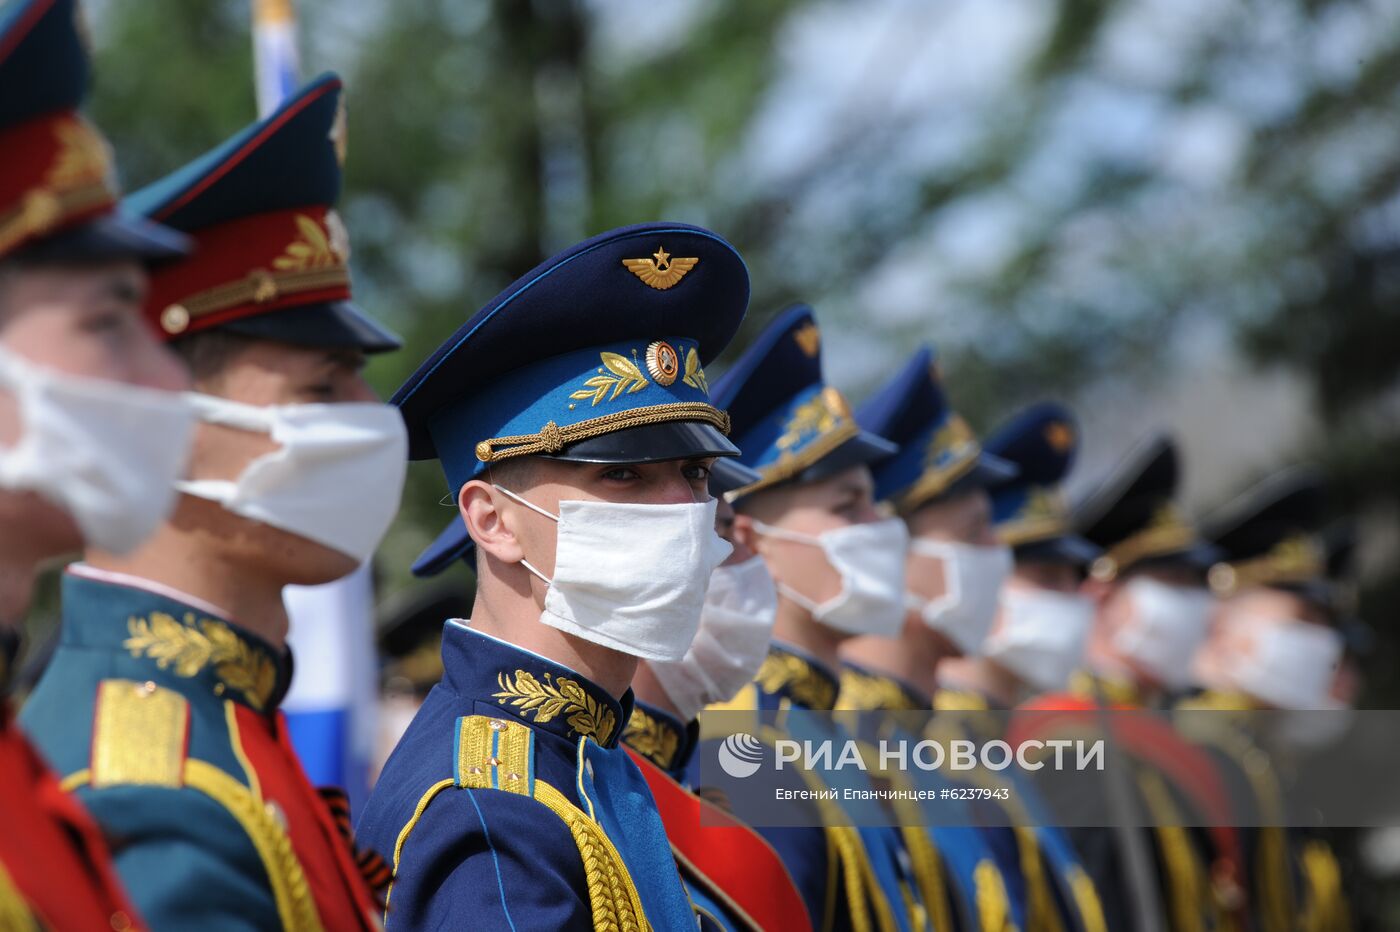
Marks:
<point>530,505</point>
<point>952,583</point>
<point>535,508</point>
<point>777,533</point>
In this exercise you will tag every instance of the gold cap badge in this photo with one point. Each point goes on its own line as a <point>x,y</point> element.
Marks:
<point>661,271</point>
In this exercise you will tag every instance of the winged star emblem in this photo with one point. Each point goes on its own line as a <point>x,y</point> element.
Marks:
<point>661,271</point>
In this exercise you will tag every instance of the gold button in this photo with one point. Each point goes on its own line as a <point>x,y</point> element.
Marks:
<point>120,921</point>
<point>275,813</point>
<point>174,319</point>
<point>218,689</point>
<point>147,688</point>
<point>263,285</point>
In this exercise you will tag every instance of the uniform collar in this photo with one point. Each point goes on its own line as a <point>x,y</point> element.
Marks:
<point>864,690</point>
<point>547,696</point>
<point>660,737</point>
<point>791,673</point>
<point>172,640</point>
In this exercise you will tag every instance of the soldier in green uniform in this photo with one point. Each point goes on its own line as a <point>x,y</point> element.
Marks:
<point>160,706</point>
<point>1275,644</point>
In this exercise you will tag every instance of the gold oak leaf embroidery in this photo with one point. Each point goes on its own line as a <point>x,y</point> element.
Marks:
<point>551,698</point>
<point>793,674</point>
<point>809,338</point>
<point>661,271</point>
<point>83,156</point>
<point>694,373</point>
<point>626,377</point>
<point>186,649</point>
<point>312,249</point>
<point>812,418</point>
<point>652,739</point>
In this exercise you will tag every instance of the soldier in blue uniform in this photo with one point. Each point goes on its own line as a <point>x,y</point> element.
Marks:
<point>1042,621</point>
<point>92,429</point>
<point>160,706</point>
<point>838,568</point>
<point>1035,643</point>
<point>733,878</point>
<point>572,418</point>
<point>937,485</point>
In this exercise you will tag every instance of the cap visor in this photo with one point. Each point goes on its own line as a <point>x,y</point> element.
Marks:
<point>451,545</point>
<point>726,475</point>
<point>651,443</point>
<point>1069,548</point>
<point>335,324</point>
<point>988,472</point>
<point>111,237</point>
<point>863,449</point>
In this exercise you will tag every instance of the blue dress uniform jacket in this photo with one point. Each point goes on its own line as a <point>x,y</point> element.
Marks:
<point>509,804</point>
<point>162,717</point>
<point>831,862</point>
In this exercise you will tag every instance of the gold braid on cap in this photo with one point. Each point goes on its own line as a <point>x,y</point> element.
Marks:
<point>1296,559</point>
<point>1045,516</point>
<point>552,439</point>
<point>1166,533</point>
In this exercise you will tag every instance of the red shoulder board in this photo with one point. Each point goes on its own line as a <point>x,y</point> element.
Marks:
<point>723,855</point>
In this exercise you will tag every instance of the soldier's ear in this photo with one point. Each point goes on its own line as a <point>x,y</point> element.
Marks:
<point>478,503</point>
<point>744,533</point>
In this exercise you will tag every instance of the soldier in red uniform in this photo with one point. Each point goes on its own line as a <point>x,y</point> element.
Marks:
<point>83,395</point>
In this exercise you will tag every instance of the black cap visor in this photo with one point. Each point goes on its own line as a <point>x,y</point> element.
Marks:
<point>1067,548</point>
<point>332,325</point>
<point>109,238</point>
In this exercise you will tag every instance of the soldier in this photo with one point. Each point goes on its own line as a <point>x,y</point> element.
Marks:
<point>1274,645</point>
<point>88,446</point>
<point>573,420</point>
<point>839,573</point>
<point>937,485</point>
<point>1152,604</point>
<point>1042,620</point>
<point>160,703</point>
<point>733,878</point>
<point>1150,615</point>
<point>1036,641</point>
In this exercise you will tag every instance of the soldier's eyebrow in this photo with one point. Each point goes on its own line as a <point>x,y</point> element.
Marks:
<point>346,358</point>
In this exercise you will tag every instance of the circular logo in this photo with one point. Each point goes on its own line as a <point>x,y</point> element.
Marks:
<point>740,755</point>
<point>663,362</point>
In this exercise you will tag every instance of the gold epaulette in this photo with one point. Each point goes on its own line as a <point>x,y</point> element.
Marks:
<point>958,700</point>
<point>139,735</point>
<point>498,754</point>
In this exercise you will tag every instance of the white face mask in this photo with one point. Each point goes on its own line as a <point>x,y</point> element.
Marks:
<point>335,478</point>
<point>631,577</point>
<point>1041,636</point>
<point>1289,665</point>
<point>870,560</point>
<point>736,625</point>
<point>973,577</point>
<point>105,452</point>
<point>1167,625</point>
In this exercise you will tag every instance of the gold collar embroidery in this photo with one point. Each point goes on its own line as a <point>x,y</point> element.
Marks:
<point>653,737</point>
<point>187,648</point>
<point>553,697</point>
<point>787,673</point>
<point>869,692</point>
